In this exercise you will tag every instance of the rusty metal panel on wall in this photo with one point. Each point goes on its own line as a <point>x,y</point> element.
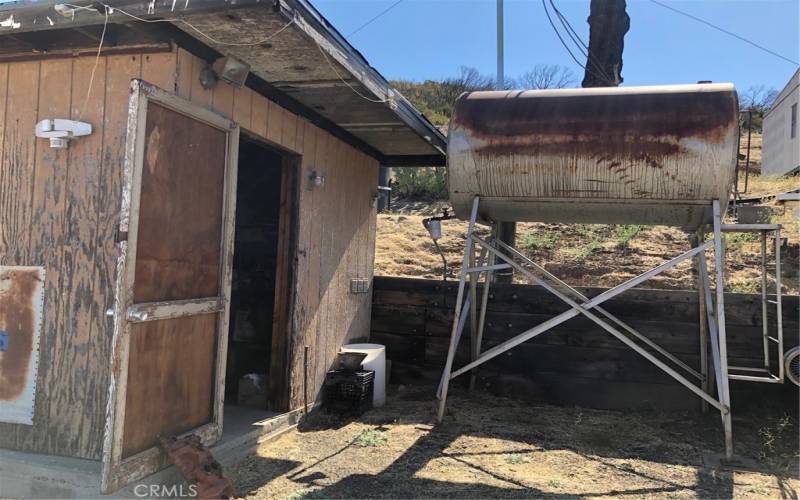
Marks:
<point>21,300</point>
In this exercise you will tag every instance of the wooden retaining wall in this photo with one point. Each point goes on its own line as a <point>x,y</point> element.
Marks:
<point>578,363</point>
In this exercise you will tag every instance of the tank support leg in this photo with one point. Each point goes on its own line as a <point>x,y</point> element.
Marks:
<point>473,316</point>
<point>487,281</point>
<point>458,323</point>
<point>719,309</point>
<point>695,240</point>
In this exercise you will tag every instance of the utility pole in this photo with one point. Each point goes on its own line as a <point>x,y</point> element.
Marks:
<point>506,231</point>
<point>500,69</point>
<point>608,23</point>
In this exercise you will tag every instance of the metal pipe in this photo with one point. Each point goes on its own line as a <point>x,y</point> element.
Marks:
<point>459,298</point>
<point>305,381</point>
<point>764,319</point>
<point>501,79</point>
<point>487,281</point>
<point>741,228</point>
<point>462,320</point>
<point>771,379</point>
<point>473,314</point>
<point>695,239</point>
<point>747,161</point>
<point>719,268</point>
<point>779,300</point>
<point>492,267</point>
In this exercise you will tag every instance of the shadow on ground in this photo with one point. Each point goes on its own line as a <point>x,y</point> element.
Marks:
<point>489,447</point>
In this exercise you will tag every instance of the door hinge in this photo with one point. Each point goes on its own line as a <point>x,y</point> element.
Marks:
<point>120,235</point>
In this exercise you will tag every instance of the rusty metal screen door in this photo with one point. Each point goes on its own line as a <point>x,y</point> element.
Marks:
<point>173,281</point>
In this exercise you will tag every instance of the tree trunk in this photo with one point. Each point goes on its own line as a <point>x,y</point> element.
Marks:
<point>608,23</point>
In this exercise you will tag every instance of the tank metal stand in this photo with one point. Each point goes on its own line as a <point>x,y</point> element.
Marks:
<point>497,255</point>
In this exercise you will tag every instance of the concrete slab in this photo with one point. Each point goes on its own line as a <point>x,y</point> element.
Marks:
<point>28,475</point>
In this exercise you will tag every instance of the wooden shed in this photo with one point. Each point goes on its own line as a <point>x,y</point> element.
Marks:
<point>202,232</point>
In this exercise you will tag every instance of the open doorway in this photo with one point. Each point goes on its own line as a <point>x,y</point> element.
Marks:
<point>256,383</point>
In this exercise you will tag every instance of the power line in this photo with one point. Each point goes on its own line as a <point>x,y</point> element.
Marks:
<point>730,33</point>
<point>582,47</point>
<point>561,39</point>
<point>398,2</point>
<point>544,4</point>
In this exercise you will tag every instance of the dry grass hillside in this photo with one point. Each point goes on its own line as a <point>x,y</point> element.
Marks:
<point>588,255</point>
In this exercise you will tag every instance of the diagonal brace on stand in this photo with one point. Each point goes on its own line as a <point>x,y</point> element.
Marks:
<point>508,255</point>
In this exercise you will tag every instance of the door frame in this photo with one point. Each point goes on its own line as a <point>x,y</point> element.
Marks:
<point>283,347</point>
<point>116,470</point>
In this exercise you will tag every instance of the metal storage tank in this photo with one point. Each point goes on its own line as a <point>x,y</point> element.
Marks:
<point>617,155</point>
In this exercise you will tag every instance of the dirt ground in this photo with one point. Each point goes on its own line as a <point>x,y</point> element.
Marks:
<point>588,255</point>
<point>491,447</point>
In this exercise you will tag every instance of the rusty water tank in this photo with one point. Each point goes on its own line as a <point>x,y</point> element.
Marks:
<point>617,155</point>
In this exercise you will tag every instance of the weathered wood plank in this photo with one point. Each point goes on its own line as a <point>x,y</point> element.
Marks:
<point>185,77</point>
<point>289,130</point>
<point>78,260</point>
<point>19,84</point>
<point>16,165</point>
<point>222,101</point>
<point>160,70</point>
<point>258,118</point>
<point>304,309</point>
<point>46,241</point>
<point>274,123</point>
<point>243,107</point>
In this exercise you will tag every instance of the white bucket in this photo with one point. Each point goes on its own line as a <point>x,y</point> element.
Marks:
<point>375,361</point>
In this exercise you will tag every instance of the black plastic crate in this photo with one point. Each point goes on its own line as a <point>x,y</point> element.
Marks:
<point>349,392</point>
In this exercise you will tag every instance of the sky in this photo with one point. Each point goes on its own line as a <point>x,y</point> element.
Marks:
<point>430,39</point>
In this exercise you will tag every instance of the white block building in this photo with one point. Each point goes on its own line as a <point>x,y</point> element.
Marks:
<point>781,146</point>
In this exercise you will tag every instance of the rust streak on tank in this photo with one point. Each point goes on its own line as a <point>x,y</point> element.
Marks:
<point>637,127</point>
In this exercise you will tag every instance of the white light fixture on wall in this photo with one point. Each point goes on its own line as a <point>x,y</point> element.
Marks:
<point>315,179</point>
<point>60,131</point>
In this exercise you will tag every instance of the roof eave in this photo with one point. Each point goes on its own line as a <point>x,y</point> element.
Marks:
<point>33,15</point>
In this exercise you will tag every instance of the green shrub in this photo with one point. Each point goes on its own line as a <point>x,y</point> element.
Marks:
<point>370,438</point>
<point>736,241</point>
<point>533,241</point>
<point>516,459</point>
<point>625,233</point>
<point>420,182</point>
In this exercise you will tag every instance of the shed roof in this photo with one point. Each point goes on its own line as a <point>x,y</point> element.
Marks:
<point>296,58</point>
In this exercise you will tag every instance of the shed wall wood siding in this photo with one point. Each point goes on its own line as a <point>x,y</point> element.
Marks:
<point>59,209</point>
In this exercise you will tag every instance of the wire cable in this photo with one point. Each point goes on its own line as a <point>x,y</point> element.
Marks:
<point>355,90</point>
<point>96,63</point>
<point>730,33</point>
<point>582,47</point>
<point>398,2</point>
<point>558,34</point>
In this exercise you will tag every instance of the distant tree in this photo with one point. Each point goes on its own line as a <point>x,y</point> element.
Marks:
<point>468,79</point>
<point>757,99</point>
<point>546,76</point>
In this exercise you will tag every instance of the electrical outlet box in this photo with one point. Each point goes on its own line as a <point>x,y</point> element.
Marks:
<point>359,285</point>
